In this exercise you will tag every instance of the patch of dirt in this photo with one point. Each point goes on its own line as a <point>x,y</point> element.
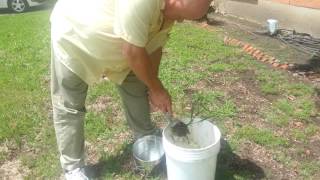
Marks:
<point>13,170</point>
<point>110,146</point>
<point>113,144</point>
<point>118,148</point>
<point>105,104</point>
<point>264,159</point>
<point>10,149</point>
<point>101,104</point>
<point>317,99</point>
<point>315,148</point>
<point>93,154</point>
<point>246,95</point>
<point>246,89</point>
<point>301,150</point>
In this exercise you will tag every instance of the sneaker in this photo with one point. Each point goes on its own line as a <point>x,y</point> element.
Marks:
<point>76,174</point>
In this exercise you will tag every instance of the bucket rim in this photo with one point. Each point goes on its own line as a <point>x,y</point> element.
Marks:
<point>217,140</point>
<point>272,20</point>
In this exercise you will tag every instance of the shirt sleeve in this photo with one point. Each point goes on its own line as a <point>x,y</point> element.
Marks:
<point>159,40</point>
<point>133,20</point>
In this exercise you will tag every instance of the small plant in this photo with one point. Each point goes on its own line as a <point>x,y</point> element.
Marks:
<point>270,82</point>
<point>301,109</point>
<point>278,118</point>
<point>261,136</point>
<point>213,104</point>
<point>219,67</point>
<point>299,89</point>
<point>310,168</point>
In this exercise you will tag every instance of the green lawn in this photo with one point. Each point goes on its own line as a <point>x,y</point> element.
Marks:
<point>268,119</point>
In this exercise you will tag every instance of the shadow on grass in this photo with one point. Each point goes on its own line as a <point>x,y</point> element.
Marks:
<point>122,163</point>
<point>312,64</point>
<point>112,164</point>
<point>230,166</point>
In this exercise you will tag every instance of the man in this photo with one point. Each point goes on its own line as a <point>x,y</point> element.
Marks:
<point>121,39</point>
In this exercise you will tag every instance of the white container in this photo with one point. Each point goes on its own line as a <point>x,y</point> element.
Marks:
<point>192,164</point>
<point>272,26</point>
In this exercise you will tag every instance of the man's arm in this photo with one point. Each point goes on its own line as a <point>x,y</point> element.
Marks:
<point>156,58</point>
<point>141,64</point>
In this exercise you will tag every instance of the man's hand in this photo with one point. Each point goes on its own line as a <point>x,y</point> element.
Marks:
<point>161,100</point>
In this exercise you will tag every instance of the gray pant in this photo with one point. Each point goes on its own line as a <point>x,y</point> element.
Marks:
<point>68,94</point>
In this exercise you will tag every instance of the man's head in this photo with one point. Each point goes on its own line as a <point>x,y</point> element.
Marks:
<point>185,9</point>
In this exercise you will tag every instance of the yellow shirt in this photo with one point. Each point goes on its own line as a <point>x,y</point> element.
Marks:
<point>87,35</point>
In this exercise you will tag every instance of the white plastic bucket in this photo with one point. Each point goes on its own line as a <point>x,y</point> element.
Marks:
<point>198,163</point>
<point>272,26</point>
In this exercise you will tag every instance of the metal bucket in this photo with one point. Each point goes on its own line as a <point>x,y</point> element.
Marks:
<point>272,26</point>
<point>148,153</point>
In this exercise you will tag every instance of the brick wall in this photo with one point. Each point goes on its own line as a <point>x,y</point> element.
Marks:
<point>315,4</point>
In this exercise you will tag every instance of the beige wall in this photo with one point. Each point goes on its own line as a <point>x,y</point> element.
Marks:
<point>315,4</point>
<point>301,19</point>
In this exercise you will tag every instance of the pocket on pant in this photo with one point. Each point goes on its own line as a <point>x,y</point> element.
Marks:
<point>59,103</point>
